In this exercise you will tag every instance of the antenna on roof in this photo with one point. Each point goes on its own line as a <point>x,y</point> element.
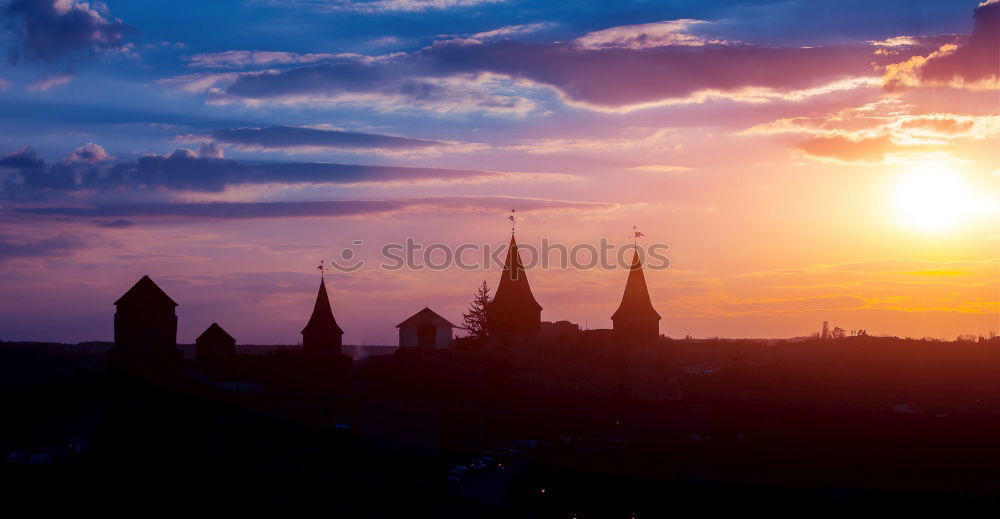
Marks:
<point>513,222</point>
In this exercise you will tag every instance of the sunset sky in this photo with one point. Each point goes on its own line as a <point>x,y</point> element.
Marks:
<point>804,160</point>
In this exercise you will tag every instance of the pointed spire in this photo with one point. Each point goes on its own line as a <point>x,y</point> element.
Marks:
<point>514,280</point>
<point>514,307</point>
<point>322,320</point>
<point>636,310</point>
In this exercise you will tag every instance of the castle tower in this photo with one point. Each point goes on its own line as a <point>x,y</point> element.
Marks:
<point>145,320</point>
<point>635,319</point>
<point>322,335</point>
<point>513,309</point>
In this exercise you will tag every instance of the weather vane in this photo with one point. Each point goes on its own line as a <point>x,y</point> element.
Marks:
<point>320,268</point>
<point>636,234</point>
<point>513,221</point>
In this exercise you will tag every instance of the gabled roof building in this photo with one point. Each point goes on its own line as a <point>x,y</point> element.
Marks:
<point>425,330</point>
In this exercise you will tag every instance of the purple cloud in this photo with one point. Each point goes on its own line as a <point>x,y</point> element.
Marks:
<point>89,153</point>
<point>970,63</point>
<point>29,177</point>
<point>22,159</point>
<point>976,60</point>
<point>597,76</point>
<point>49,30</point>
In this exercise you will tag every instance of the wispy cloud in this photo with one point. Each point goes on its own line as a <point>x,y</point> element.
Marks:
<point>878,132</point>
<point>304,139</point>
<point>386,6</point>
<point>47,83</point>
<point>312,209</point>
<point>353,83</point>
<point>19,246</point>
<point>660,168</point>
<point>233,59</point>
<point>646,36</point>
<point>493,34</point>
<point>497,77</point>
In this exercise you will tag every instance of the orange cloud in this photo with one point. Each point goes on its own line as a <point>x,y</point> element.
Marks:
<point>874,132</point>
<point>851,150</point>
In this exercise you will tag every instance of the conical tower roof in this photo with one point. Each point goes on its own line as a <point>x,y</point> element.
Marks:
<point>322,319</point>
<point>514,308</point>
<point>514,289</point>
<point>635,303</point>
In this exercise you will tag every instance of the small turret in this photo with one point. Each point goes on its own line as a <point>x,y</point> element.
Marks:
<point>513,309</point>
<point>635,319</point>
<point>322,335</point>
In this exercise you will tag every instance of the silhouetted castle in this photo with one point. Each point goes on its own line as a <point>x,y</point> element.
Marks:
<point>322,335</point>
<point>514,309</point>
<point>145,320</point>
<point>146,323</point>
<point>214,345</point>
<point>635,319</point>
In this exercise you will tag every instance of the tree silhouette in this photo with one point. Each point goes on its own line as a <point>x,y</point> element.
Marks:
<point>475,320</point>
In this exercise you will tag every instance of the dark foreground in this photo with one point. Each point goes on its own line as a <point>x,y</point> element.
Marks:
<point>869,423</point>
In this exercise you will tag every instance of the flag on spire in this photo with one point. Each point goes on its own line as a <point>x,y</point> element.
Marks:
<point>636,234</point>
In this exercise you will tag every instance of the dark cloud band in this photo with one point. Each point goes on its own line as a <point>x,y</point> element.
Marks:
<point>289,137</point>
<point>331,208</point>
<point>30,177</point>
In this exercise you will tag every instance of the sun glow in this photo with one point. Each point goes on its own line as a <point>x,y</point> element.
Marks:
<point>932,198</point>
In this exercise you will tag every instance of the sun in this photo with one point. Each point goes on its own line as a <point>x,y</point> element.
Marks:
<point>931,198</point>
